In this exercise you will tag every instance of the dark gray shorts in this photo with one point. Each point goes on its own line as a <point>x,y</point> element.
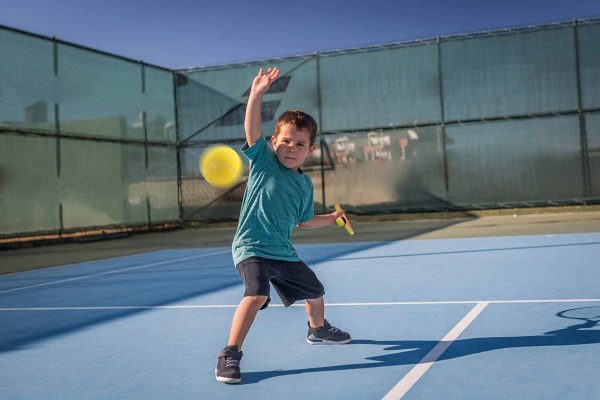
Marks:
<point>293,280</point>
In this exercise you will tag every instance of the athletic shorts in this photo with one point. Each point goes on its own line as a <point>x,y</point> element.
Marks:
<point>293,280</point>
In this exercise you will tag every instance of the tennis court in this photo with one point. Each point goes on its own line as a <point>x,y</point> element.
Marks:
<point>431,145</point>
<point>439,314</point>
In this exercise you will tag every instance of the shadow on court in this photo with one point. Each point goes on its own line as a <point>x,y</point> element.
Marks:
<point>152,287</point>
<point>410,352</point>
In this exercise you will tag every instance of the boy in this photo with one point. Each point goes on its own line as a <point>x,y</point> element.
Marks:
<point>278,197</point>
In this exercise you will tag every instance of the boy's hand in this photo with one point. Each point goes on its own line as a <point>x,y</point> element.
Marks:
<point>335,215</point>
<point>320,221</point>
<point>262,82</point>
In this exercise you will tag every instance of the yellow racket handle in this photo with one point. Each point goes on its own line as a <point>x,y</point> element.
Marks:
<point>343,221</point>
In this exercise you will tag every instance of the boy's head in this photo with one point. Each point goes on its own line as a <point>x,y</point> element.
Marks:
<point>294,138</point>
<point>300,120</point>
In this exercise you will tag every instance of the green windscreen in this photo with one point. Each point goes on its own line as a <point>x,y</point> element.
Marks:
<point>55,95</point>
<point>494,119</point>
<point>95,181</point>
<point>593,142</point>
<point>29,195</point>
<point>101,95</point>
<point>218,109</point>
<point>158,103</point>
<point>160,180</point>
<point>589,50</point>
<point>399,168</point>
<point>28,88</point>
<point>461,122</point>
<point>513,74</point>
<point>514,161</point>
<point>380,88</point>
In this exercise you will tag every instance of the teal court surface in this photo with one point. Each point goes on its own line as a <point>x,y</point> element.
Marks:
<point>514,317</point>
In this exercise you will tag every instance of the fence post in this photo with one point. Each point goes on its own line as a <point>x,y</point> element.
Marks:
<point>585,161</point>
<point>442,114</point>
<point>321,138</point>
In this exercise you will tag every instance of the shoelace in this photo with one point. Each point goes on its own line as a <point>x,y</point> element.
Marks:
<point>232,362</point>
<point>333,329</point>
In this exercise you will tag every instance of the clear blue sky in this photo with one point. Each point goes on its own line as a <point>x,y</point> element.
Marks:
<point>191,33</point>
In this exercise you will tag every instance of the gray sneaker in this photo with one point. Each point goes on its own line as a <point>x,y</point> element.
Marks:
<point>327,334</point>
<point>228,365</point>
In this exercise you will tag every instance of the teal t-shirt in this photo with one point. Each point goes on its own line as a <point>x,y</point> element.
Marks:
<point>275,201</point>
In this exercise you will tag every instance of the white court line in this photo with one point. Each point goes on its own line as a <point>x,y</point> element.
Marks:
<point>404,385</point>
<point>205,306</point>
<point>114,271</point>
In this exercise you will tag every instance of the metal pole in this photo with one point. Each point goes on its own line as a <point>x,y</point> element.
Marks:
<point>178,149</point>
<point>442,114</point>
<point>585,161</point>
<point>57,130</point>
<point>321,138</point>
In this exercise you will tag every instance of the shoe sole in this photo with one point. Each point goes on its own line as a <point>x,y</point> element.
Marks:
<point>328,342</point>
<point>224,379</point>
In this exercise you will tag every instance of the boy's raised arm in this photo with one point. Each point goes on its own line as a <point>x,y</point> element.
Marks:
<point>260,85</point>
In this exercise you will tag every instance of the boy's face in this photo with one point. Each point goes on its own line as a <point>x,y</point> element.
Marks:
<point>292,146</point>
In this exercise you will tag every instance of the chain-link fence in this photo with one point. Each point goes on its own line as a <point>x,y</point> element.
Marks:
<point>507,118</point>
<point>487,120</point>
<point>87,139</point>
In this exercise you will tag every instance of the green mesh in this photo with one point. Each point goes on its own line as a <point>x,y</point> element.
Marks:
<point>199,107</point>
<point>28,90</point>
<point>514,161</point>
<point>28,184</point>
<point>101,95</point>
<point>223,119</point>
<point>96,180</point>
<point>589,53</point>
<point>593,142</point>
<point>383,88</point>
<point>396,135</point>
<point>513,74</point>
<point>158,102</point>
<point>161,184</point>
<point>400,168</point>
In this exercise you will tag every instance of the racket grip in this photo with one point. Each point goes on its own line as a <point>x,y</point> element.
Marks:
<point>343,221</point>
<point>340,221</point>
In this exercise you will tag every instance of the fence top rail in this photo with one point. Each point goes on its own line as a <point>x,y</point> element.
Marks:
<point>326,53</point>
<point>82,47</point>
<point>394,45</point>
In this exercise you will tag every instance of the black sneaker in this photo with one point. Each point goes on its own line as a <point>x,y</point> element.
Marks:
<point>228,365</point>
<point>327,334</point>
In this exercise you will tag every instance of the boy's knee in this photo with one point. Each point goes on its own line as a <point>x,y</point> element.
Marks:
<point>318,300</point>
<point>257,300</point>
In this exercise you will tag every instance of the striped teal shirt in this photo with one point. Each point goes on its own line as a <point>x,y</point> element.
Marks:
<point>275,201</point>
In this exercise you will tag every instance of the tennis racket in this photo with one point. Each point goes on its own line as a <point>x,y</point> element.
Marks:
<point>343,221</point>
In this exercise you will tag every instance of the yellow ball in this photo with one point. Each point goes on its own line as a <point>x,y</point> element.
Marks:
<point>221,166</point>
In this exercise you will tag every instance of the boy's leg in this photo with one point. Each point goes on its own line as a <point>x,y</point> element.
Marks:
<point>319,330</point>
<point>228,360</point>
<point>315,310</point>
<point>243,318</point>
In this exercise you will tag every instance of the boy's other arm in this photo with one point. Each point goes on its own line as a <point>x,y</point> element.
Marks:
<point>319,221</point>
<point>260,85</point>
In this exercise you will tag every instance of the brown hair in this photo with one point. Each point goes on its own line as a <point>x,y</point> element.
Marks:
<point>300,120</point>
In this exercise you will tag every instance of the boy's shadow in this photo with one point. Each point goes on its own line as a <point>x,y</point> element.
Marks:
<point>410,352</point>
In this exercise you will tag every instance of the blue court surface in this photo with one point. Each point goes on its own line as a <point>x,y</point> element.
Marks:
<point>480,318</point>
